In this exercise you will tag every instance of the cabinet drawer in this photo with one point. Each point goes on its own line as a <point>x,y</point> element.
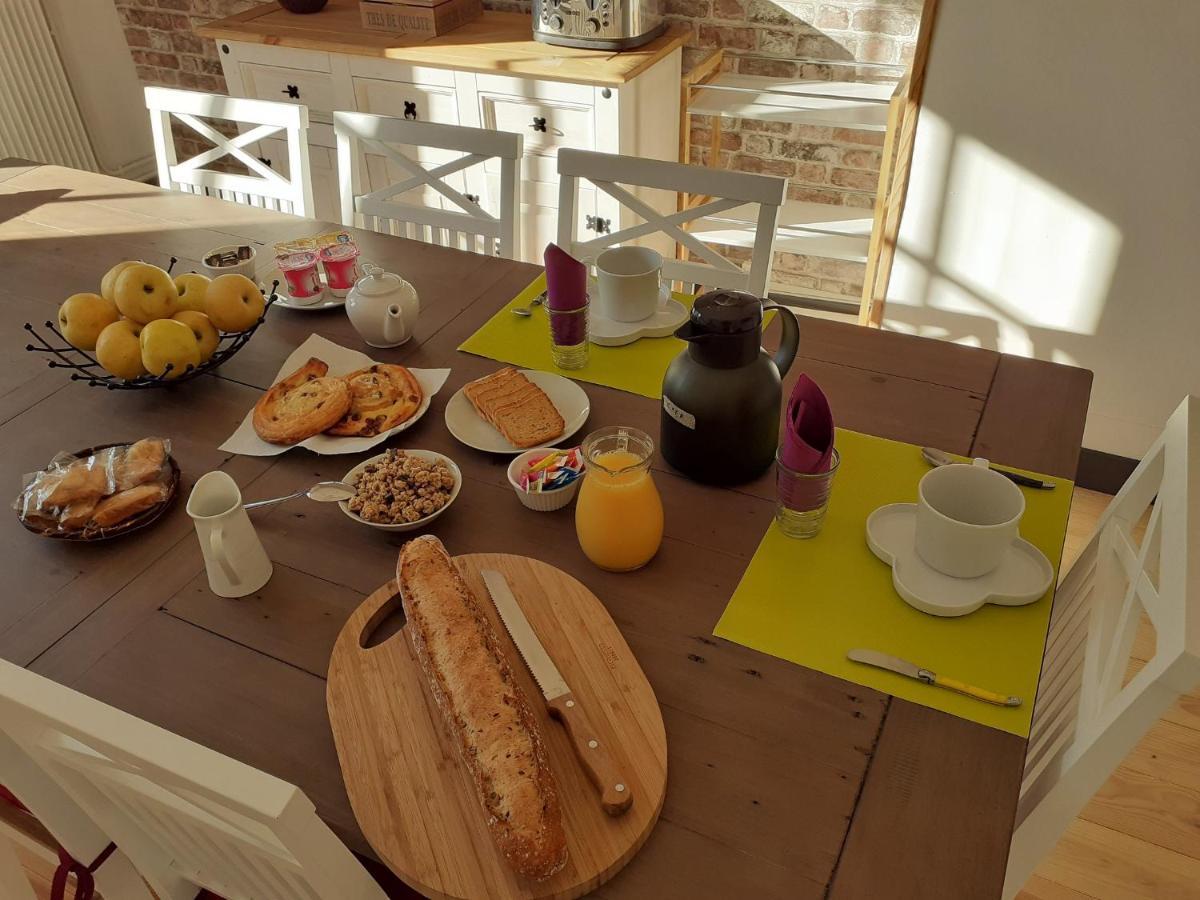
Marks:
<point>546,126</point>
<point>425,102</point>
<point>530,89</point>
<point>534,167</point>
<point>313,89</point>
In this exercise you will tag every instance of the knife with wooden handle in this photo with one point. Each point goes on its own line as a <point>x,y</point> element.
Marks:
<point>615,793</point>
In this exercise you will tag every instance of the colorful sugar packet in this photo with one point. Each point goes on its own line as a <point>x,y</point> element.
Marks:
<point>555,470</point>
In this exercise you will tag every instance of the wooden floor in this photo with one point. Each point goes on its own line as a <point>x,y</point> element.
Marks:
<point>1138,838</point>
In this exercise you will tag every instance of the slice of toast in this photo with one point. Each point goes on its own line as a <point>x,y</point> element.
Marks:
<point>530,423</point>
<point>522,395</point>
<point>480,386</point>
<point>497,394</point>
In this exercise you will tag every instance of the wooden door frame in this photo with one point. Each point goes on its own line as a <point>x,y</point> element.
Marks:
<point>903,114</point>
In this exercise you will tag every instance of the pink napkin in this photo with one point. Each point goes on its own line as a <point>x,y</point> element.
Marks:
<point>566,279</point>
<point>807,444</point>
<point>806,447</point>
<point>566,290</point>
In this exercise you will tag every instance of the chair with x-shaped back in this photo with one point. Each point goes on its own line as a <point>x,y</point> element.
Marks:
<point>437,166</point>
<point>259,185</point>
<point>621,176</point>
<point>1138,575</point>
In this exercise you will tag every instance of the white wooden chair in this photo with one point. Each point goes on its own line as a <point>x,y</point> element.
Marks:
<point>614,175</point>
<point>257,119</point>
<point>1087,717</point>
<point>477,221</point>
<point>185,816</point>
<point>71,827</point>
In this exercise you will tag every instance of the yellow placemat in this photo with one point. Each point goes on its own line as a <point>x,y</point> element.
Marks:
<point>638,367</point>
<point>810,601</point>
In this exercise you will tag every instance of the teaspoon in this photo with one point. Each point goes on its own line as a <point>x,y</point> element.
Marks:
<point>322,492</point>
<point>526,311</point>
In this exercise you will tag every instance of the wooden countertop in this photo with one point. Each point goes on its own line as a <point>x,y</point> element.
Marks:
<point>500,43</point>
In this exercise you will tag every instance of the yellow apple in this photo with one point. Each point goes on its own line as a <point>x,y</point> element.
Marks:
<point>145,293</point>
<point>192,287</point>
<point>118,350</point>
<point>108,283</point>
<point>233,302</point>
<point>169,342</point>
<point>203,329</point>
<point>82,317</point>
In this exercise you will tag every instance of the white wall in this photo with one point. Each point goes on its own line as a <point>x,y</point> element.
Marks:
<point>1054,205</point>
<point>104,83</point>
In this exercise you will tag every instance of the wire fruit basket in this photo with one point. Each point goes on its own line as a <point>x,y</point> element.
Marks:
<point>84,366</point>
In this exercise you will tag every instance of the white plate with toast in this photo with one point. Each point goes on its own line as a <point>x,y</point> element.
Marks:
<point>468,426</point>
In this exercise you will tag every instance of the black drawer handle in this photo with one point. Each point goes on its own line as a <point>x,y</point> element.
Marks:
<point>265,161</point>
<point>598,225</point>
<point>539,124</point>
<point>292,91</point>
<point>474,198</point>
<point>410,109</point>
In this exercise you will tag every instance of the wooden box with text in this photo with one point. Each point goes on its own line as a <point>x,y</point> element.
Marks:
<point>418,21</point>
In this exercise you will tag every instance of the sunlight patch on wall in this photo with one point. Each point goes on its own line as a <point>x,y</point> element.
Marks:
<point>1024,245</point>
<point>991,251</point>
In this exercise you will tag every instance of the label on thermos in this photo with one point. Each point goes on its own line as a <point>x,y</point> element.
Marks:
<point>682,416</point>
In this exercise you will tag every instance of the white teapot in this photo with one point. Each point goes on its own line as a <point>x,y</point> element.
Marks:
<point>382,308</point>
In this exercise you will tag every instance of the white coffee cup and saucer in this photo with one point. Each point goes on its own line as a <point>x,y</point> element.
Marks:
<point>959,546</point>
<point>630,300</point>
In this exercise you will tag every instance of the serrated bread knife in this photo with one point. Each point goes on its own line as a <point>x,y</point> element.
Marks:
<point>615,793</point>
<point>904,667</point>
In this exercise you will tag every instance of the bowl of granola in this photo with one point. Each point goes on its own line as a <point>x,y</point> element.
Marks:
<point>402,490</point>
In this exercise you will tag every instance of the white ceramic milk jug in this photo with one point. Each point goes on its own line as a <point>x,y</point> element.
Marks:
<point>383,308</point>
<point>235,559</point>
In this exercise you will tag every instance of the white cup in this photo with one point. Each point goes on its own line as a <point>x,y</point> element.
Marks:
<point>234,557</point>
<point>629,282</point>
<point>967,518</point>
<point>241,267</point>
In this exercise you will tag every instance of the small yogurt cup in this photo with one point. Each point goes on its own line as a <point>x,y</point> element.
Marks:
<point>340,262</point>
<point>303,277</point>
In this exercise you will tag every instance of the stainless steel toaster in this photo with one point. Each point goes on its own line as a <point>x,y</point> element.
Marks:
<point>597,24</point>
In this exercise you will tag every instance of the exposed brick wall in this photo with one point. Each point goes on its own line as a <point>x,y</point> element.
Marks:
<point>819,39</point>
<point>164,47</point>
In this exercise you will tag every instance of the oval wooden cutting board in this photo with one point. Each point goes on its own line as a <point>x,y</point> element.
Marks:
<point>414,799</point>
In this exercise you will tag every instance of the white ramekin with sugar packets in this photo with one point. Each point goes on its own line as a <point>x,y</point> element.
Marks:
<point>546,479</point>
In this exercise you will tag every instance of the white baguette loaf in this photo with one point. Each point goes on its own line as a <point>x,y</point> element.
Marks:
<point>484,710</point>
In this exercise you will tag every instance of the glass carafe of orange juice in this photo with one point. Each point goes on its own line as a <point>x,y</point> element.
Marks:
<point>619,516</point>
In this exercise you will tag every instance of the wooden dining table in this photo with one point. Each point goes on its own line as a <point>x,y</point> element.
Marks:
<point>782,781</point>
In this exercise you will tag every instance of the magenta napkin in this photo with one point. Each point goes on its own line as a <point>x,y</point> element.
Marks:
<point>807,443</point>
<point>806,447</point>
<point>566,290</point>
<point>566,279</point>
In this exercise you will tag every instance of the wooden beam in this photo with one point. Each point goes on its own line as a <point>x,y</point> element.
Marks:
<point>879,264</point>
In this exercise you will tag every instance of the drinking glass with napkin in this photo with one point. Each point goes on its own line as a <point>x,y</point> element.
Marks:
<point>807,459</point>
<point>567,306</point>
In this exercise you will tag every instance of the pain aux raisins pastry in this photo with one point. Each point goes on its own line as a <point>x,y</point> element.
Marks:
<point>382,397</point>
<point>304,403</point>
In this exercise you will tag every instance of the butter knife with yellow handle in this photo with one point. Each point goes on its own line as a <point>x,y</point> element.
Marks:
<point>904,667</point>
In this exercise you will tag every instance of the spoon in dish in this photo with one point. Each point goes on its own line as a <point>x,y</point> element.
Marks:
<point>526,311</point>
<point>322,492</point>
<point>938,458</point>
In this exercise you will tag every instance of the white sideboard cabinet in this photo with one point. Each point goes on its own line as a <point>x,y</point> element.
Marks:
<point>487,74</point>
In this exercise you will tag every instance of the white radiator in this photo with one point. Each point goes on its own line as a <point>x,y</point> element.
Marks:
<point>68,90</point>
<point>39,118</point>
